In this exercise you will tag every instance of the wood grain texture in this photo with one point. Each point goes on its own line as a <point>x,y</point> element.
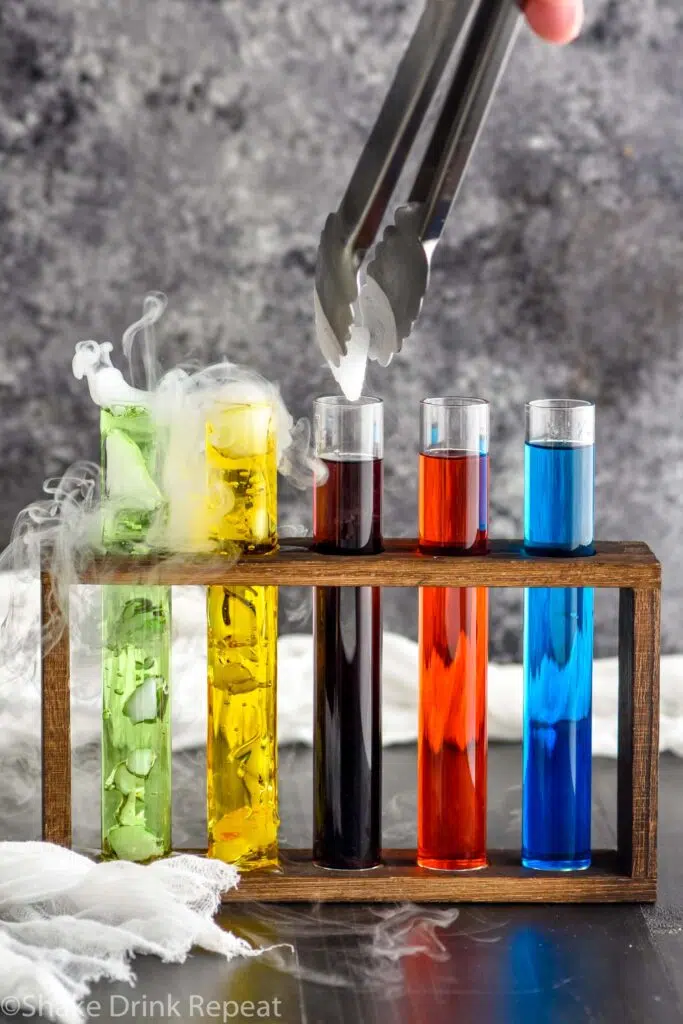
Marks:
<point>628,564</point>
<point>505,881</point>
<point>638,756</point>
<point>56,726</point>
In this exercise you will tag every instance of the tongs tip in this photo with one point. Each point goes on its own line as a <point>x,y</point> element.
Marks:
<point>397,280</point>
<point>336,290</point>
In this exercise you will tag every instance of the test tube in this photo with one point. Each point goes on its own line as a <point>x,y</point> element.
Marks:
<point>136,649</point>
<point>453,638</point>
<point>242,805</point>
<point>558,639</point>
<point>347,519</point>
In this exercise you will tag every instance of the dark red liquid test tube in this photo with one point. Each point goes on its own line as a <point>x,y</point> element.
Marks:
<point>347,519</point>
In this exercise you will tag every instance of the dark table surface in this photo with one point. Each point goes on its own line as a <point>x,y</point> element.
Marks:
<point>424,964</point>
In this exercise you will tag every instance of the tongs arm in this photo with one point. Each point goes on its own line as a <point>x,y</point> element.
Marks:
<point>398,274</point>
<point>438,32</point>
<point>463,114</point>
<point>349,233</point>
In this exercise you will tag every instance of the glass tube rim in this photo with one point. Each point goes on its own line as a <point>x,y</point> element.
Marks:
<point>560,403</point>
<point>453,402</point>
<point>341,402</point>
<point>569,421</point>
<point>348,429</point>
<point>462,422</point>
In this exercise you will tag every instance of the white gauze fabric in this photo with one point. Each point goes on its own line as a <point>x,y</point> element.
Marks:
<point>67,922</point>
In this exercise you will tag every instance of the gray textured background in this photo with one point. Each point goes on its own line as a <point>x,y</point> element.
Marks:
<point>195,147</point>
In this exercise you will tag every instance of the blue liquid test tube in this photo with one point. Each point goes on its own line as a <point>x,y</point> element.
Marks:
<point>559,501</point>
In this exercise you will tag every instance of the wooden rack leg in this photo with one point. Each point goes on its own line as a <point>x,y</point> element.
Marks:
<point>56,727</point>
<point>639,615</point>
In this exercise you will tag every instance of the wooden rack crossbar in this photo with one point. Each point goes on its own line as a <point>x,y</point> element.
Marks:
<point>399,565</point>
<point>627,874</point>
<point>399,878</point>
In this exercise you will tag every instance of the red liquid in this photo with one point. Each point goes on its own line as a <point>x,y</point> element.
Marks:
<point>453,502</point>
<point>453,636</point>
<point>347,746</point>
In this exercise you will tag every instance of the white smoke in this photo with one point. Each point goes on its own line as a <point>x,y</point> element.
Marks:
<point>63,530</point>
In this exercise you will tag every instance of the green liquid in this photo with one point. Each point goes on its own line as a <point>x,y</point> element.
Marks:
<point>136,652</point>
<point>136,722</point>
<point>133,503</point>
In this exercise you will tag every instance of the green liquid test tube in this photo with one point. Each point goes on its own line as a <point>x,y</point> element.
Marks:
<point>136,651</point>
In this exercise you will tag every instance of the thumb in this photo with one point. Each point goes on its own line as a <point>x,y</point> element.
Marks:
<point>557,21</point>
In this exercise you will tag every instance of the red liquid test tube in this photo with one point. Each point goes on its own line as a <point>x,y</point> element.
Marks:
<point>453,638</point>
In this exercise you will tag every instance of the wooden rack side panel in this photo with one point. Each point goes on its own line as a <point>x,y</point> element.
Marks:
<point>638,753</point>
<point>55,725</point>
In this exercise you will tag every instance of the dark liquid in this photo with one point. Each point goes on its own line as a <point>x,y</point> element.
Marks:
<point>348,652</point>
<point>347,508</point>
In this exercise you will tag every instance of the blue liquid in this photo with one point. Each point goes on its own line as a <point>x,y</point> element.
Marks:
<point>558,664</point>
<point>559,498</point>
<point>556,784</point>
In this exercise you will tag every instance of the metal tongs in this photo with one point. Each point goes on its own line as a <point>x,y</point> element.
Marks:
<point>397,277</point>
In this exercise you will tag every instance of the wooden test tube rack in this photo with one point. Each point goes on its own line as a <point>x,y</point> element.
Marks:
<point>627,874</point>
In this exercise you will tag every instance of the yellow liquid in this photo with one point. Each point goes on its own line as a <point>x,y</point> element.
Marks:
<point>242,479</point>
<point>242,643</point>
<point>242,747</point>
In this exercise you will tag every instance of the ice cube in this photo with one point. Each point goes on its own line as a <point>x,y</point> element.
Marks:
<point>122,780</point>
<point>240,431</point>
<point>235,678</point>
<point>141,706</point>
<point>350,374</point>
<point>127,479</point>
<point>140,762</point>
<point>378,318</point>
<point>134,842</point>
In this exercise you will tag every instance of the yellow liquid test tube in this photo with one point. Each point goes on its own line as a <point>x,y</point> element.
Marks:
<point>242,641</point>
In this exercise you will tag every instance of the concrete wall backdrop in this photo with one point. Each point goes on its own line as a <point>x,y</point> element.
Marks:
<point>195,146</point>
